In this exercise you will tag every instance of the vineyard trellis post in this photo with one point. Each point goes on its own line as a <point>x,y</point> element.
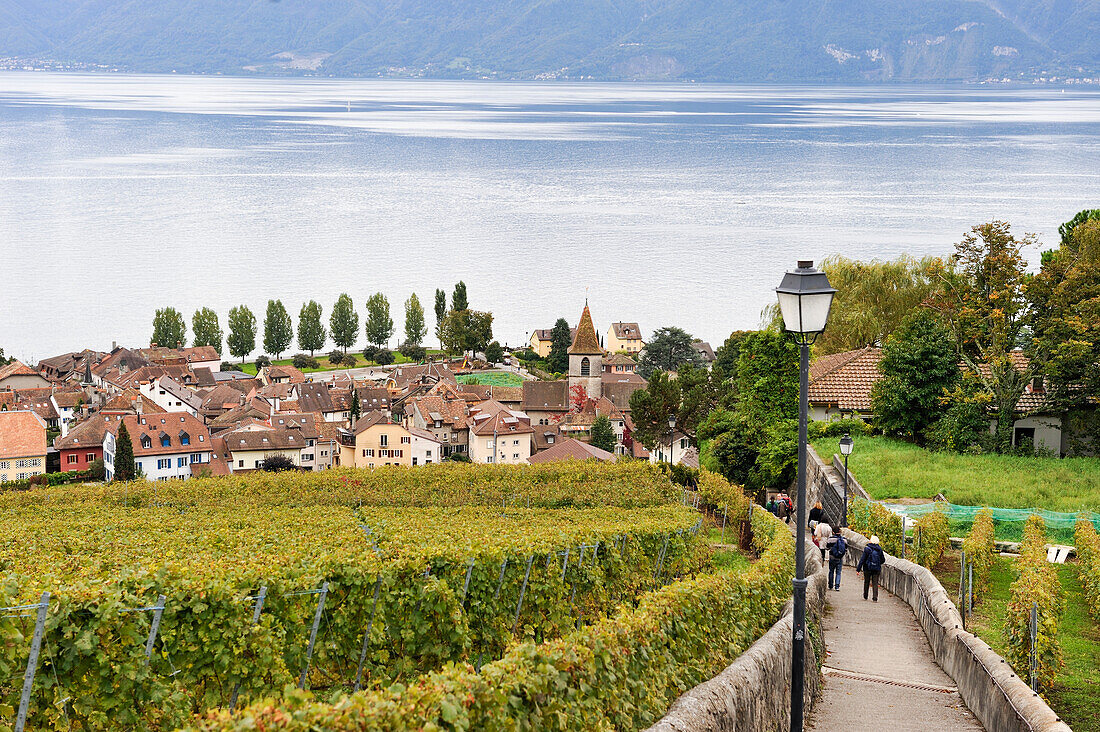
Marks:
<point>1033,627</point>
<point>158,611</point>
<point>970,588</point>
<point>322,594</point>
<point>366,635</point>
<point>522,592</point>
<point>724,507</point>
<point>962,586</point>
<point>32,661</point>
<point>259,608</point>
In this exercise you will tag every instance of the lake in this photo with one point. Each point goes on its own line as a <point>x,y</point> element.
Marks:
<point>666,204</point>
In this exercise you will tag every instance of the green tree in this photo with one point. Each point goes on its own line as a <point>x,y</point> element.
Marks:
<point>726,355</point>
<point>311,331</point>
<point>124,455</point>
<point>207,329</point>
<point>242,332</point>
<point>343,322</point>
<point>1065,301</point>
<point>3,361</point>
<point>982,300</point>
<point>767,380</point>
<point>278,328</point>
<point>379,324</point>
<point>603,434</point>
<point>494,352</point>
<point>560,341</point>
<point>458,299</point>
<point>169,328</point>
<point>440,314</point>
<point>1066,229</point>
<point>668,350</point>
<point>918,368</point>
<point>415,328</point>
<point>356,408</point>
<point>872,299</point>
<point>691,396</point>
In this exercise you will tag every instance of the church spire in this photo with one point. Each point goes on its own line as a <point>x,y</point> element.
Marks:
<point>586,342</point>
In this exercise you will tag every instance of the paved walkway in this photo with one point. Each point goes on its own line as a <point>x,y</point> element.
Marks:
<point>879,670</point>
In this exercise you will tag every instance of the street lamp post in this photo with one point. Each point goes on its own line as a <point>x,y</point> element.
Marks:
<point>671,434</point>
<point>845,450</point>
<point>805,298</point>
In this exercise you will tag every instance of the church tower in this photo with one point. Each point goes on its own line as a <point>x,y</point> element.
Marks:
<point>586,358</point>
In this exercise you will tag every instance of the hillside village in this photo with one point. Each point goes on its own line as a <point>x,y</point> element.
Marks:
<point>187,417</point>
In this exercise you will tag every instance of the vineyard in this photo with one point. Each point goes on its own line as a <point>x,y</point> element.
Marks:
<point>170,600</point>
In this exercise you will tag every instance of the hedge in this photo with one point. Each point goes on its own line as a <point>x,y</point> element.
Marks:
<point>620,673</point>
<point>934,538</point>
<point>981,550</point>
<point>1037,584</point>
<point>1088,551</point>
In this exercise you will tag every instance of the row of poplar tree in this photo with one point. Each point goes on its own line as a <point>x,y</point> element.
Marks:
<point>170,328</point>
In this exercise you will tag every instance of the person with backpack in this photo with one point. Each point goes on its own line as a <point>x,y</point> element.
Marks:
<point>782,511</point>
<point>871,565</point>
<point>837,548</point>
<point>773,507</point>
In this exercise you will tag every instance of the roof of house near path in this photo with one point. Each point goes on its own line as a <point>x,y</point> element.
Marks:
<point>22,434</point>
<point>586,342</point>
<point>845,379</point>
<point>570,449</point>
<point>704,350</point>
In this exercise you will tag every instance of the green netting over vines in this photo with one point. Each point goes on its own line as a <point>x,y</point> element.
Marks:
<point>1008,522</point>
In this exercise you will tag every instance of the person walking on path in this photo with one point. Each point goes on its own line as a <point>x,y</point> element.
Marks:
<point>784,513</point>
<point>817,513</point>
<point>822,533</point>
<point>836,547</point>
<point>871,565</point>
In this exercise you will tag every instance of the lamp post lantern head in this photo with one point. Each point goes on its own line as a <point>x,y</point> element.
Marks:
<point>805,297</point>
<point>672,422</point>
<point>846,444</point>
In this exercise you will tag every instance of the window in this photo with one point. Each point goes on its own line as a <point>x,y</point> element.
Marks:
<point>165,441</point>
<point>89,457</point>
<point>72,459</point>
<point>515,442</point>
<point>196,457</point>
<point>185,439</point>
<point>5,464</point>
<point>414,460</point>
<point>309,443</point>
<point>683,443</point>
<point>240,463</point>
<point>164,463</point>
<point>489,459</point>
<point>258,464</point>
<point>181,462</point>
<point>138,466</point>
<point>383,440</point>
<point>586,367</point>
<point>489,444</point>
<point>146,442</point>
<point>516,456</point>
<point>549,439</point>
<point>406,440</point>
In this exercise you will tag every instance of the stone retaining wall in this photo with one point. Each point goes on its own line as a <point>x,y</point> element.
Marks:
<point>754,692</point>
<point>991,689</point>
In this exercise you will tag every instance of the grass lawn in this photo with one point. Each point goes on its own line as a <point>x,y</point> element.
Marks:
<point>250,368</point>
<point>892,469</point>
<point>492,378</point>
<point>1076,695</point>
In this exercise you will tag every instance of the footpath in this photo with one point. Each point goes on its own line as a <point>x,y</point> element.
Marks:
<point>879,671</point>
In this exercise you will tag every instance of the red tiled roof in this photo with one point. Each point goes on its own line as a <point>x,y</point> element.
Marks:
<point>22,434</point>
<point>171,425</point>
<point>845,379</point>
<point>16,368</point>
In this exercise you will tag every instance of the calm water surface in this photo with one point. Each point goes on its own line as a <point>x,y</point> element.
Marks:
<point>667,204</point>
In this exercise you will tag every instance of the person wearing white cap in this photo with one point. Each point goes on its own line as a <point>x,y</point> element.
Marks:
<point>870,564</point>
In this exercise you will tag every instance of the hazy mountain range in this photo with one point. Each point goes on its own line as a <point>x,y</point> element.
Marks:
<point>705,40</point>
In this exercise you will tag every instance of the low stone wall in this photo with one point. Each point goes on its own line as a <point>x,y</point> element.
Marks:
<point>993,692</point>
<point>754,692</point>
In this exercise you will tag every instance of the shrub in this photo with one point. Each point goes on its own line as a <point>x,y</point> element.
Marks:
<point>414,352</point>
<point>276,464</point>
<point>494,352</point>
<point>304,361</point>
<point>229,366</point>
<point>370,352</point>
<point>932,528</point>
<point>349,360</point>
<point>458,457</point>
<point>1037,585</point>
<point>383,357</point>
<point>262,362</point>
<point>837,428</point>
<point>981,550</point>
<point>336,358</point>
<point>1088,551</point>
